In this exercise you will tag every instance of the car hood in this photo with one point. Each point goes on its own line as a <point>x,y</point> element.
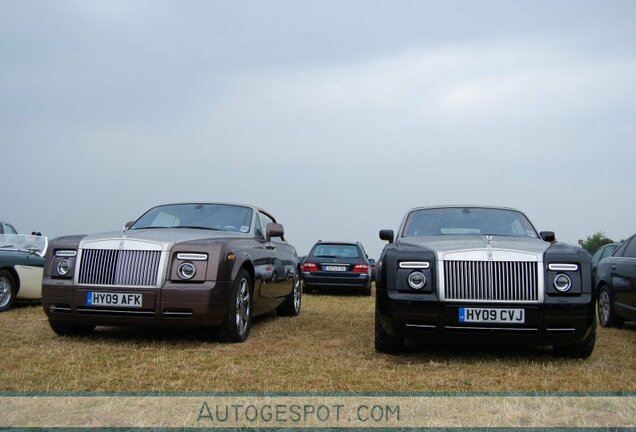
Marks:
<point>442,245</point>
<point>155,239</point>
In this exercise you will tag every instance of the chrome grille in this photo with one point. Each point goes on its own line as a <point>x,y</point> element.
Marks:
<point>491,281</point>
<point>119,267</point>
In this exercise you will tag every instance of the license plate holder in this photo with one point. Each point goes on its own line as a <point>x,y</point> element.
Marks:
<point>335,268</point>
<point>114,299</point>
<point>485,315</point>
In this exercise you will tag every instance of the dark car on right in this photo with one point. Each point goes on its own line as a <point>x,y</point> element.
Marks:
<point>337,265</point>
<point>602,252</point>
<point>616,285</point>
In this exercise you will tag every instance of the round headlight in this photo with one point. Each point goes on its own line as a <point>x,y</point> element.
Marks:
<point>63,267</point>
<point>562,282</point>
<point>417,280</point>
<point>186,271</point>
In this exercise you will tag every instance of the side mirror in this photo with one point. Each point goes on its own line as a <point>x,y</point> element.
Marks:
<point>274,230</point>
<point>387,235</point>
<point>128,225</point>
<point>548,236</point>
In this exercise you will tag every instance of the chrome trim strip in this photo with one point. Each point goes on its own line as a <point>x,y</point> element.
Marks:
<point>430,326</point>
<point>54,308</point>
<point>526,329</point>
<point>66,253</point>
<point>177,314</point>
<point>563,267</point>
<point>415,264</point>
<point>561,329</point>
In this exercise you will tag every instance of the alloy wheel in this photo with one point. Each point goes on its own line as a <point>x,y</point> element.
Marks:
<point>243,306</point>
<point>604,307</point>
<point>5,291</point>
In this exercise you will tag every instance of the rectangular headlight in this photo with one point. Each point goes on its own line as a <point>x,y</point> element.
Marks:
<point>192,256</point>
<point>415,264</point>
<point>563,267</point>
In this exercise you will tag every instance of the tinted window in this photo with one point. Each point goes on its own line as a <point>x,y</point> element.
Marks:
<point>630,251</point>
<point>468,220</point>
<point>8,229</point>
<point>336,251</point>
<point>597,255</point>
<point>205,216</point>
<point>608,251</point>
<point>621,249</point>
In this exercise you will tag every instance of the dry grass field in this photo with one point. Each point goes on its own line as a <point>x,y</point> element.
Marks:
<point>329,348</point>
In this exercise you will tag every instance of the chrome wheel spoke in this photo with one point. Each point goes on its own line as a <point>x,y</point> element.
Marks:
<point>5,291</point>
<point>242,307</point>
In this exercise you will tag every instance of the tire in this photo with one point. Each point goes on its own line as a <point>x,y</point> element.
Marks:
<point>581,350</point>
<point>8,290</point>
<point>238,320</point>
<point>384,342</point>
<point>605,307</point>
<point>66,329</point>
<point>291,304</point>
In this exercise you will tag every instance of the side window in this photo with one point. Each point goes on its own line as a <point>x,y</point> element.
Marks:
<point>608,251</point>
<point>264,220</point>
<point>9,229</point>
<point>1,228</point>
<point>259,231</point>
<point>597,255</point>
<point>621,249</point>
<point>630,250</point>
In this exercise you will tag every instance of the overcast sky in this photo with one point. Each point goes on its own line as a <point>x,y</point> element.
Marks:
<point>335,116</point>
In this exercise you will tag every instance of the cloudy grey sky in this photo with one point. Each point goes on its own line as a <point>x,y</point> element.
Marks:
<point>336,116</point>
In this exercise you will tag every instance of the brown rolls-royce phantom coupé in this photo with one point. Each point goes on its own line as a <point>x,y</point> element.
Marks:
<point>178,265</point>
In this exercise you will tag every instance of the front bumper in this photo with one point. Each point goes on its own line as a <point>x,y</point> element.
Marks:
<point>438,322</point>
<point>174,305</point>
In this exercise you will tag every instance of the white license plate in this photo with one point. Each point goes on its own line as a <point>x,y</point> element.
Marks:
<point>113,299</point>
<point>491,315</point>
<point>335,268</point>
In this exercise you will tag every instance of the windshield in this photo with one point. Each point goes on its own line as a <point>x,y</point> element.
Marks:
<point>222,217</point>
<point>24,242</point>
<point>468,220</point>
<point>336,251</point>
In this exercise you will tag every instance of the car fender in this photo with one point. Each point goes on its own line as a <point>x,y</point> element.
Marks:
<point>30,282</point>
